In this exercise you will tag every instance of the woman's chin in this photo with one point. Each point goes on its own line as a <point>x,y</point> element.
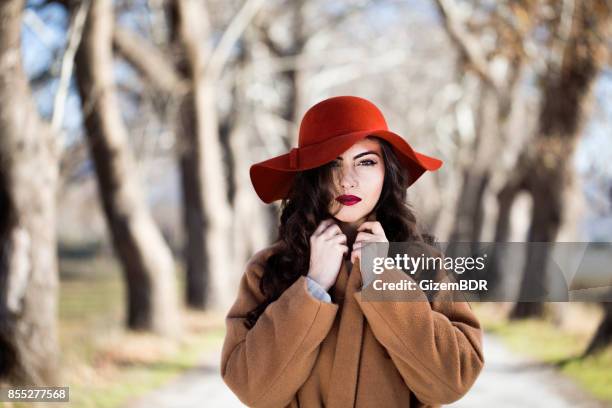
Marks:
<point>348,218</point>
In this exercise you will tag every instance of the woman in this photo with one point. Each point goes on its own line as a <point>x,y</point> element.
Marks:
<point>299,333</point>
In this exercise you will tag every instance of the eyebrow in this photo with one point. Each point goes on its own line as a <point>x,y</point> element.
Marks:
<point>360,154</point>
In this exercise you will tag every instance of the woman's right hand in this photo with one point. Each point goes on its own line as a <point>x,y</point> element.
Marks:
<point>327,249</point>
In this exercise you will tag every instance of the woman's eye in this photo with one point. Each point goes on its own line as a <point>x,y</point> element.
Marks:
<point>367,162</point>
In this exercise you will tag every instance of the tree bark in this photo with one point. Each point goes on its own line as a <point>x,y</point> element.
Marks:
<point>544,164</point>
<point>146,259</point>
<point>603,334</point>
<point>150,62</point>
<point>296,43</point>
<point>207,210</point>
<point>195,221</point>
<point>254,224</point>
<point>495,102</point>
<point>28,184</point>
<point>476,176</point>
<point>207,175</point>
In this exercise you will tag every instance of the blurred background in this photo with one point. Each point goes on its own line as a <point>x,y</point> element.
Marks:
<point>127,129</point>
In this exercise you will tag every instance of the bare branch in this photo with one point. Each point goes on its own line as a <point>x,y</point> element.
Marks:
<point>265,37</point>
<point>557,50</point>
<point>239,23</point>
<point>38,27</point>
<point>467,44</point>
<point>333,22</point>
<point>74,39</point>
<point>149,61</point>
<point>333,76</point>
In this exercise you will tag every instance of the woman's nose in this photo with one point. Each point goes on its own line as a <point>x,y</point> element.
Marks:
<point>349,179</point>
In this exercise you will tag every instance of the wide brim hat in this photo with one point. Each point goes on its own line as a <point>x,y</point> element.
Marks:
<point>328,129</point>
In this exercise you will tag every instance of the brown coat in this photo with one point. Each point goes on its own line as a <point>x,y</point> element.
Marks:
<point>304,352</point>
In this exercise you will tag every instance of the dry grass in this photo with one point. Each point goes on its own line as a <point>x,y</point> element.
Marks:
<point>558,339</point>
<point>104,364</point>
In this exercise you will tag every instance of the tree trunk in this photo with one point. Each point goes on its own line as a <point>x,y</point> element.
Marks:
<point>476,175</point>
<point>207,214</point>
<point>254,224</point>
<point>28,184</point>
<point>565,93</point>
<point>505,199</point>
<point>603,334</point>
<point>470,211</point>
<point>194,217</point>
<point>146,259</point>
<point>295,44</point>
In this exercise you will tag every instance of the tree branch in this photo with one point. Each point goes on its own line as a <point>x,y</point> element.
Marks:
<point>467,44</point>
<point>76,31</point>
<point>265,37</point>
<point>230,36</point>
<point>149,61</point>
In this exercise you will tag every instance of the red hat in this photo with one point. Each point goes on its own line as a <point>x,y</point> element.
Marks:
<point>328,129</point>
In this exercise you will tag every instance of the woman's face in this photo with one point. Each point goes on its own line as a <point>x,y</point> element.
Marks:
<point>358,176</point>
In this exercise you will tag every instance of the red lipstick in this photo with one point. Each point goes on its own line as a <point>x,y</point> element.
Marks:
<point>348,199</point>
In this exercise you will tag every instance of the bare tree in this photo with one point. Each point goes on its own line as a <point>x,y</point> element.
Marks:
<point>603,335</point>
<point>254,222</point>
<point>498,70</point>
<point>28,183</point>
<point>207,209</point>
<point>198,68</point>
<point>147,262</point>
<point>205,182</point>
<point>293,47</point>
<point>578,51</point>
<point>572,60</point>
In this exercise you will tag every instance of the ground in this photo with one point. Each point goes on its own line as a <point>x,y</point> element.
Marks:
<point>510,381</point>
<point>507,380</point>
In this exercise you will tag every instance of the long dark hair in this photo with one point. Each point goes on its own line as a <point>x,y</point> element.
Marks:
<point>307,205</point>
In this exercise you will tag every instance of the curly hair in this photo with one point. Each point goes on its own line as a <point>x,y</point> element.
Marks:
<point>307,205</point>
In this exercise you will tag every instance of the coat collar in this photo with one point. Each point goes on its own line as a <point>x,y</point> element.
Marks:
<point>345,368</point>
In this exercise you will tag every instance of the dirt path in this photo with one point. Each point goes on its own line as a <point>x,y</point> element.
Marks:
<point>198,388</point>
<point>507,381</point>
<point>510,381</point>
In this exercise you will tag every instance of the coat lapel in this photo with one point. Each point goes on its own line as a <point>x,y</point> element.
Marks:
<point>345,369</point>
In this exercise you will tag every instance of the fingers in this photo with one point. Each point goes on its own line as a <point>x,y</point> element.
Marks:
<point>373,226</point>
<point>322,226</point>
<point>359,245</point>
<point>362,239</point>
<point>340,238</point>
<point>327,229</point>
<point>364,236</point>
<point>331,232</point>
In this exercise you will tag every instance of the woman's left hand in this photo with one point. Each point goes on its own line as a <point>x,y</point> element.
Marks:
<point>376,234</point>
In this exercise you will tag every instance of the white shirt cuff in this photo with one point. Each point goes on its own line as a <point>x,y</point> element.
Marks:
<point>317,290</point>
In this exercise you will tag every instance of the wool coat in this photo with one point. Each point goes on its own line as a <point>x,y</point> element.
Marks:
<point>304,352</point>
